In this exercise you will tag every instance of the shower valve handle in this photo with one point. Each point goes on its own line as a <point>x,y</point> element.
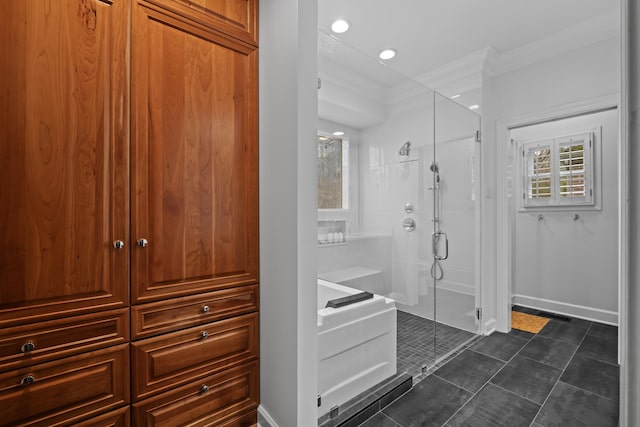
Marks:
<point>409,224</point>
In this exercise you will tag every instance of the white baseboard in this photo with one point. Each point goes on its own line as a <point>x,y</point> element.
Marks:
<point>489,327</point>
<point>267,418</point>
<point>572,310</point>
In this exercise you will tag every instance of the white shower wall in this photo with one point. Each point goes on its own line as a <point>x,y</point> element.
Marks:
<point>389,181</point>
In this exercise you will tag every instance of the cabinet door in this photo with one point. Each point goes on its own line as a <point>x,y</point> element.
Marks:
<point>237,18</point>
<point>194,161</point>
<point>63,150</point>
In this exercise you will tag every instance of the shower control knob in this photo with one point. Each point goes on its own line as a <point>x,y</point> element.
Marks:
<point>409,224</point>
<point>408,208</point>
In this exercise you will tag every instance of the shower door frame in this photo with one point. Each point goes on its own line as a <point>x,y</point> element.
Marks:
<point>438,230</point>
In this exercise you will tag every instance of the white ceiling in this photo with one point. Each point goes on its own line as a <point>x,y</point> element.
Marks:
<point>431,33</point>
<point>443,41</point>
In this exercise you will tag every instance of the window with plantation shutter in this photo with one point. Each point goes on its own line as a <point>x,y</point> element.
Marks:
<point>558,172</point>
<point>538,173</point>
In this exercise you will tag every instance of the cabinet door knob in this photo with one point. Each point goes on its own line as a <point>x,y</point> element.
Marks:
<point>118,244</point>
<point>204,334</point>
<point>205,309</point>
<point>204,389</point>
<point>27,347</point>
<point>28,380</point>
<point>143,243</point>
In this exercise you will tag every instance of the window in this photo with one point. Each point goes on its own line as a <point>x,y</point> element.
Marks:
<point>558,172</point>
<point>333,173</point>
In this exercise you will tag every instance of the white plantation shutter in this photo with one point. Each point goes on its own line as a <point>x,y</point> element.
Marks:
<point>558,172</point>
<point>573,162</point>
<point>538,178</point>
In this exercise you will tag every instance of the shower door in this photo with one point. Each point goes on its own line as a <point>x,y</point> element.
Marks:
<point>412,223</point>
<point>454,195</point>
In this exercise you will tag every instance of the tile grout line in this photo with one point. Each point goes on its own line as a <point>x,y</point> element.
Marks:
<point>560,376</point>
<point>487,382</point>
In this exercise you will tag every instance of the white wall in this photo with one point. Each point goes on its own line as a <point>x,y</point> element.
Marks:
<point>552,88</point>
<point>568,266</point>
<point>288,325</point>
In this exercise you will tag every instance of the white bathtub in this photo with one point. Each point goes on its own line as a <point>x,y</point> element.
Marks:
<point>356,344</point>
<point>365,279</point>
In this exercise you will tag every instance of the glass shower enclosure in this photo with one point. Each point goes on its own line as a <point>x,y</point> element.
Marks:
<point>408,227</point>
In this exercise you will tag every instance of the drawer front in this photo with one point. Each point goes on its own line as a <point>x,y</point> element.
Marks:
<point>179,313</point>
<point>66,390</point>
<point>118,418</point>
<point>225,399</point>
<point>31,344</point>
<point>181,357</point>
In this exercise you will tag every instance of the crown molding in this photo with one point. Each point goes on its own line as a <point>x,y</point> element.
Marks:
<point>459,76</point>
<point>466,73</point>
<point>575,37</point>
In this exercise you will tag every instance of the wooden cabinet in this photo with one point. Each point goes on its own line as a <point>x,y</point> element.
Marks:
<point>178,313</point>
<point>194,204</point>
<point>43,341</point>
<point>180,357</point>
<point>129,230</point>
<point>63,150</point>
<point>65,390</point>
<point>194,145</point>
<point>226,399</point>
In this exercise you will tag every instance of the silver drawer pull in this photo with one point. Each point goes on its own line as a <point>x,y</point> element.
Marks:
<point>204,334</point>
<point>204,389</point>
<point>143,243</point>
<point>205,308</point>
<point>28,380</point>
<point>27,347</point>
<point>118,244</point>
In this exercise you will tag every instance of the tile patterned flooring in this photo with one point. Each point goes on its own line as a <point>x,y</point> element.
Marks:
<point>415,343</point>
<point>566,375</point>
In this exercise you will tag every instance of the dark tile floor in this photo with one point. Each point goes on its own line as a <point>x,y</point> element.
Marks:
<point>415,343</point>
<point>566,375</point>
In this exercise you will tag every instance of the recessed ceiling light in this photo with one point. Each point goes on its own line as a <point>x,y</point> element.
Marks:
<point>474,107</point>
<point>455,96</point>
<point>338,133</point>
<point>340,26</point>
<point>387,53</point>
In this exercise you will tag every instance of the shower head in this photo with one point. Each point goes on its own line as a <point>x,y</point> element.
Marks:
<point>405,149</point>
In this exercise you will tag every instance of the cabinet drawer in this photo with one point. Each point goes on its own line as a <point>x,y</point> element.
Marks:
<point>118,418</point>
<point>66,390</point>
<point>61,338</point>
<point>163,362</point>
<point>228,399</point>
<point>179,313</point>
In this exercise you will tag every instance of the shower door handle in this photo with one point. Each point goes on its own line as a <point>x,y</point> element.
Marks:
<point>435,238</point>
